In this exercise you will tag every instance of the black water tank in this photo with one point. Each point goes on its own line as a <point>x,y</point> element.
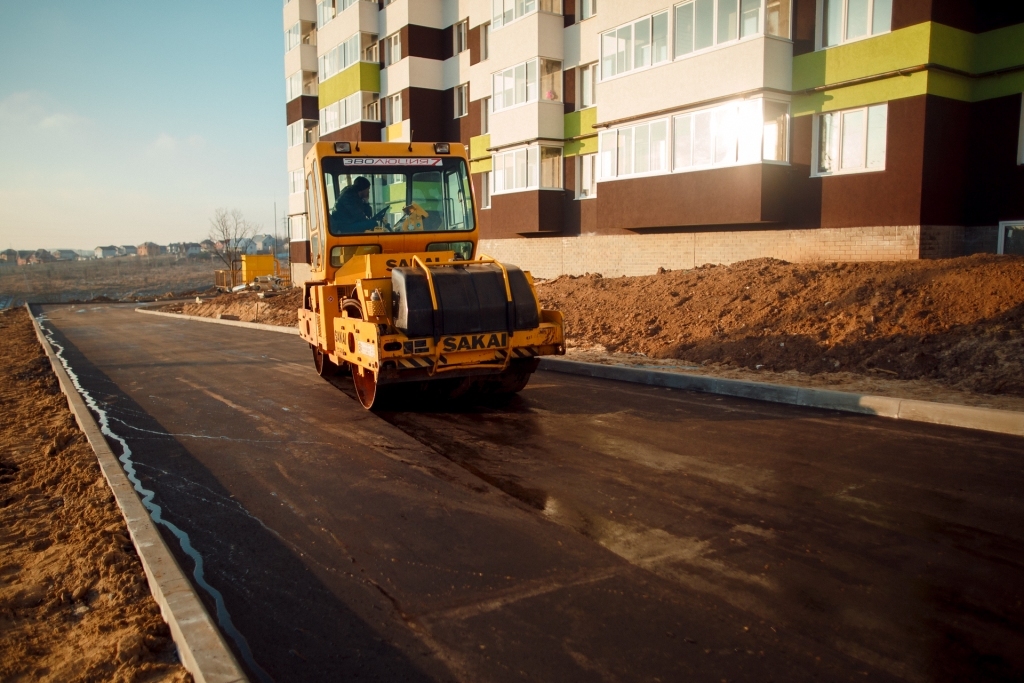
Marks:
<point>470,299</point>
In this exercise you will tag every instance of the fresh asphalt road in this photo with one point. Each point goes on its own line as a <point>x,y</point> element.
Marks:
<point>585,530</point>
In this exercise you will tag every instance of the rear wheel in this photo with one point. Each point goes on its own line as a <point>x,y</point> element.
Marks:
<point>325,367</point>
<point>512,380</point>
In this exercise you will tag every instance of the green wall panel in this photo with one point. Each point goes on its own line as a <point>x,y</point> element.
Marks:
<point>999,49</point>
<point>897,50</point>
<point>586,145</point>
<point>926,43</point>
<point>478,145</point>
<point>580,122</point>
<point>359,76</point>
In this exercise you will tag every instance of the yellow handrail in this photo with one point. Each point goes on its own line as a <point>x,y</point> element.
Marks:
<point>430,280</point>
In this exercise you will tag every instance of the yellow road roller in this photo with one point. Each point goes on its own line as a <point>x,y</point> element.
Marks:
<point>398,295</point>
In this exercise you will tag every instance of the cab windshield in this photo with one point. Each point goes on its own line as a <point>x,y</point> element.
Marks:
<point>397,194</point>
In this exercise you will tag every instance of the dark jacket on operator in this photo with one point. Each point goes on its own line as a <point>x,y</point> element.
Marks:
<point>351,214</point>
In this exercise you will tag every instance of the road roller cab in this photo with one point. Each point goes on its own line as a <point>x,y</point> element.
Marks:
<point>398,295</point>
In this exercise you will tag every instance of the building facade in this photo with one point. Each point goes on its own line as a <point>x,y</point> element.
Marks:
<point>619,137</point>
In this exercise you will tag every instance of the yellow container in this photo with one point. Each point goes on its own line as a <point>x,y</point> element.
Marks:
<point>256,265</point>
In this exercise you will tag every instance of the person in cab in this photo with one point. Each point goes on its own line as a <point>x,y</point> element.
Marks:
<point>352,212</point>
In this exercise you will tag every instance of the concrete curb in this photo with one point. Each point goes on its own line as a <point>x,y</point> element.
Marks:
<point>968,417</point>
<point>235,323</point>
<point>201,647</point>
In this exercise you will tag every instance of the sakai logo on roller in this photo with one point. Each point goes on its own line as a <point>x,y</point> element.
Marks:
<point>475,342</point>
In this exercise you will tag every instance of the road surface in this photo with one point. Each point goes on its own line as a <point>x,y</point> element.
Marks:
<point>586,530</point>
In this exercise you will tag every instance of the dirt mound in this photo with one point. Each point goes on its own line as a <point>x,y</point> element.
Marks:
<point>958,321</point>
<point>74,603</point>
<point>281,309</point>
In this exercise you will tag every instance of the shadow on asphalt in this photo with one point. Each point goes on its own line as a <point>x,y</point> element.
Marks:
<point>312,635</point>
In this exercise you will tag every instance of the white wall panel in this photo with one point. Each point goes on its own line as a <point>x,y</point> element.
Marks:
<point>612,14</point>
<point>456,70</point>
<point>359,17</point>
<point>528,122</point>
<point>297,154</point>
<point>718,73</point>
<point>538,34</point>
<point>416,72</point>
<point>778,63</point>
<point>299,10</point>
<point>404,12</point>
<point>300,57</point>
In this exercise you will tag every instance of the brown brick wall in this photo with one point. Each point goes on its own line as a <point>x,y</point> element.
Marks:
<point>618,255</point>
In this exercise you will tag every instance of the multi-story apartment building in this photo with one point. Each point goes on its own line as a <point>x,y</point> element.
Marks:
<point>616,137</point>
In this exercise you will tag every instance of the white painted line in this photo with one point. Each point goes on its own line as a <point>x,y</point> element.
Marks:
<point>234,323</point>
<point>968,417</point>
<point>201,647</point>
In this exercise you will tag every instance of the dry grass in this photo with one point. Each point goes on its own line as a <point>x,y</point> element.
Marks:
<point>117,278</point>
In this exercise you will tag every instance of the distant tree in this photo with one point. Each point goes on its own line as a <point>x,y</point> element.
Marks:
<point>231,235</point>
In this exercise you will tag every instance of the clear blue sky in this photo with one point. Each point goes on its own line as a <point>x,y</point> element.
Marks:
<point>125,122</point>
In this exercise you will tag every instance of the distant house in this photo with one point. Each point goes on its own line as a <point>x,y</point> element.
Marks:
<point>208,246</point>
<point>9,256</point>
<point>127,250</point>
<point>264,244</point>
<point>65,254</point>
<point>180,249</point>
<point>150,249</point>
<point>105,252</point>
<point>34,257</point>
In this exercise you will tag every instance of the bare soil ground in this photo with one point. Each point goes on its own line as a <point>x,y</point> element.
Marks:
<point>281,309</point>
<point>947,330</point>
<point>74,603</point>
<point>115,279</point>
<point>959,322</point>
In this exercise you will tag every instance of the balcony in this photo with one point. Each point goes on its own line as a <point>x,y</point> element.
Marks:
<point>302,57</point>
<point>762,62</point>
<point>528,122</point>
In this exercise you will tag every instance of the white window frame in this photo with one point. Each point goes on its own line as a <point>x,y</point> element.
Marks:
<point>588,9</point>
<point>587,72</point>
<point>298,231</point>
<point>347,111</point>
<point>340,57</point>
<point>296,182</point>
<point>293,86</point>
<point>485,41</point>
<point>519,9</point>
<point>293,36</point>
<point>485,190</point>
<point>608,161</point>
<point>294,131</point>
<point>762,18</point>
<point>820,29</point>
<point>532,165</point>
<point>582,162</point>
<point>631,24</point>
<point>391,104</point>
<point>392,46</point>
<point>461,100</point>
<point>816,142</point>
<point>536,95</point>
<point>1001,238</point>
<point>633,130</point>
<point>460,37</point>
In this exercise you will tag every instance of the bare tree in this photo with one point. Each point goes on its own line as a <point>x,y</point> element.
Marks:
<point>231,234</point>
